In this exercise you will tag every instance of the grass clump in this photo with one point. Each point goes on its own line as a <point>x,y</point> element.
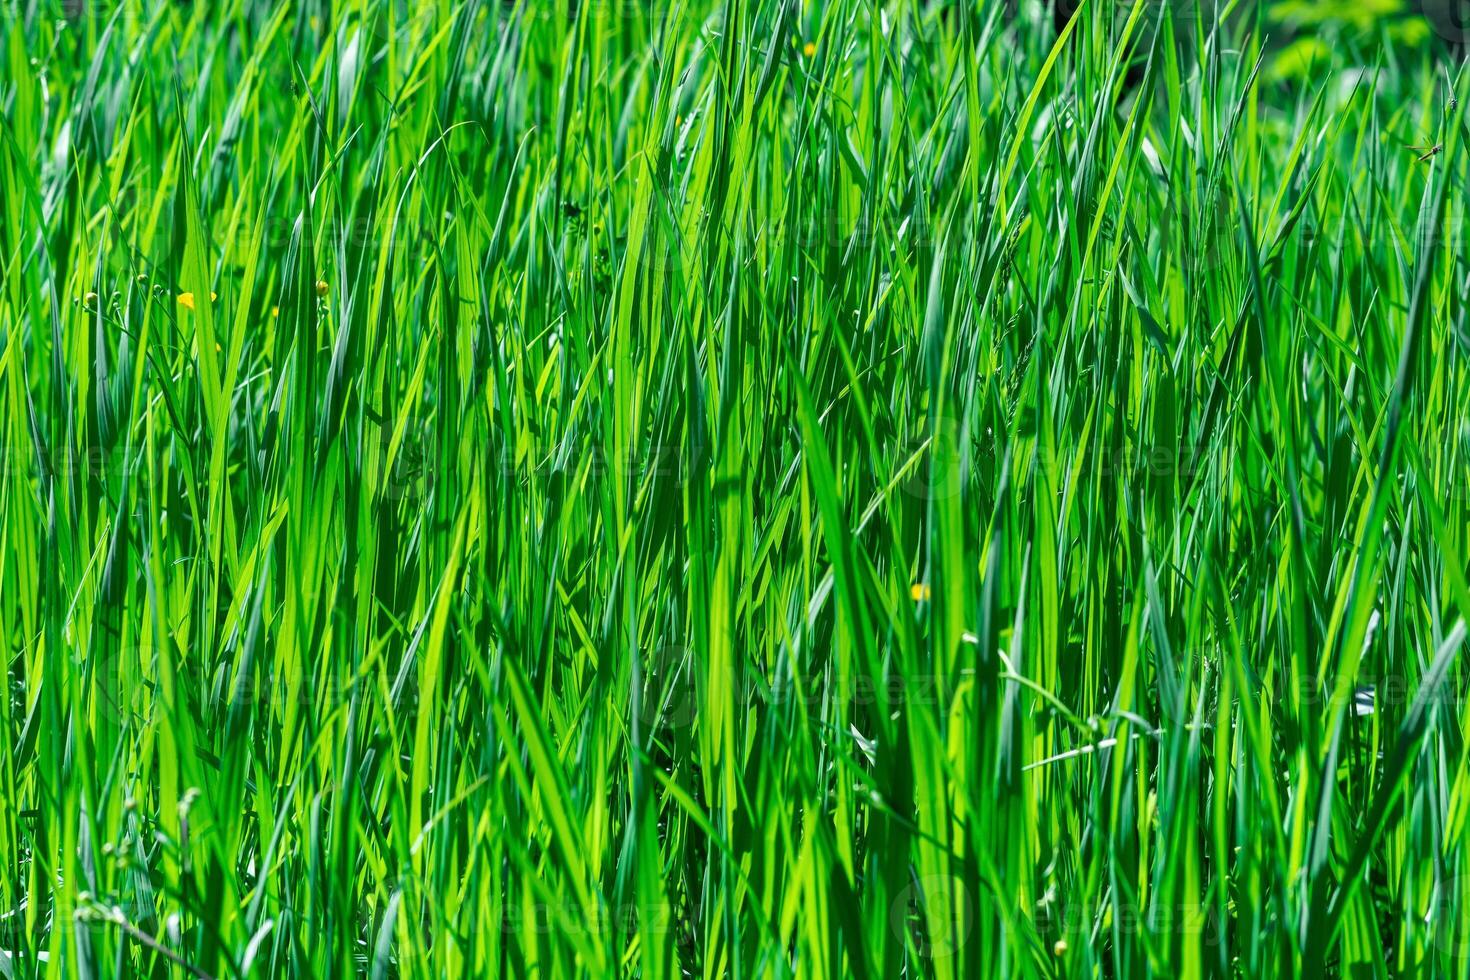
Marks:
<point>729,489</point>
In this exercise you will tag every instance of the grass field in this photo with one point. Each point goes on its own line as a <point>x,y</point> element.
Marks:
<point>745,489</point>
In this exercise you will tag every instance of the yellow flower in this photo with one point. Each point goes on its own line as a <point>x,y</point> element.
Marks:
<point>1060,948</point>
<point>919,592</point>
<point>810,50</point>
<point>321,287</point>
<point>275,312</point>
<point>186,300</point>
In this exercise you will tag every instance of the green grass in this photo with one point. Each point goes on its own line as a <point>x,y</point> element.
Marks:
<point>750,489</point>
